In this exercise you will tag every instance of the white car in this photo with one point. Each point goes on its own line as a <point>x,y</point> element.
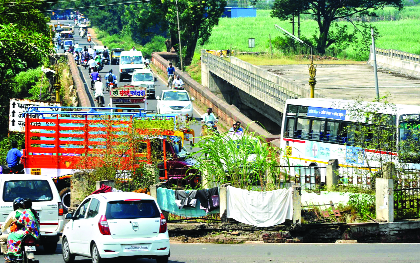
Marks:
<point>175,101</point>
<point>116,224</point>
<point>144,78</point>
<point>45,200</point>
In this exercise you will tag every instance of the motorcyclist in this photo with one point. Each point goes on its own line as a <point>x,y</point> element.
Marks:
<point>26,224</point>
<point>76,57</point>
<point>99,92</point>
<point>5,228</point>
<point>13,158</point>
<point>178,83</point>
<point>171,71</point>
<point>209,121</point>
<point>94,77</point>
<point>110,78</point>
<point>106,53</point>
<point>98,61</point>
<point>92,65</point>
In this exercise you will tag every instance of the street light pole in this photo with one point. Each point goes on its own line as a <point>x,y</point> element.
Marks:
<point>312,68</point>
<point>179,34</point>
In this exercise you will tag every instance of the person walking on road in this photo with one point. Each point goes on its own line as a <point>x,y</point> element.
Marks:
<point>13,158</point>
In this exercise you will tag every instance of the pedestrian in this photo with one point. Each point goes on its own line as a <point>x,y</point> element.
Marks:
<point>13,158</point>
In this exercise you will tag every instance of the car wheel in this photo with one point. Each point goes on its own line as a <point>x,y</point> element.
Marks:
<point>96,258</point>
<point>121,77</point>
<point>67,256</point>
<point>163,259</point>
<point>65,198</point>
<point>50,246</point>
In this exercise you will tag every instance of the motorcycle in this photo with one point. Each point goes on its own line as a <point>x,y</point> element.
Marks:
<point>7,170</point>
<point>91,69</point>
<point>110,86</point>
<point>28,249</point>
<point>100,101</point>
<point>76,59</point>
<point>89,38</point>
<point>85,63</point>
<point>178,86</point>
<point>209,127</point>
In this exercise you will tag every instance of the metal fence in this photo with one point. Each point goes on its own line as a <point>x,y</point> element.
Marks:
<point>407,194</point>
<point>361,177</point>
<point>309,177</point>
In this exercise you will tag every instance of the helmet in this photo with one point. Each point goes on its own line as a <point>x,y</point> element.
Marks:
<point>27,203</point>
<point>18,203</point>
<point>110,71</point>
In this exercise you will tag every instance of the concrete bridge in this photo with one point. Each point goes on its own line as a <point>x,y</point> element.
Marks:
<point>241,91</point>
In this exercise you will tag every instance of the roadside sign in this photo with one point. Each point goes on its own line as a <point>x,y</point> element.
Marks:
<point>19,106</point>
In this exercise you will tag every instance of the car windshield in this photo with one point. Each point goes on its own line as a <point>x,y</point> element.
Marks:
<point>68,43</point>
<point>131,60</point>
<point>117,53</point>
<point>36,190</point>
<point>175,95</point>
<point>143,77</point>
<point>130,209</point>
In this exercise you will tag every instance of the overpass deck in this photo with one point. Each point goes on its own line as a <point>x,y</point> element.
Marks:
<point>353,81</point>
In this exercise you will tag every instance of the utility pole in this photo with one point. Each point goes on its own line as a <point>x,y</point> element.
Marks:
<point>312,68</point>
<point>179,34</point>
<point>375,69</point>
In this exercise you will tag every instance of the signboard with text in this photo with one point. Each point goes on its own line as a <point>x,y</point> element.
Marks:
<point>128,92</point>
<point>19,106</point>
<point>329,113</point>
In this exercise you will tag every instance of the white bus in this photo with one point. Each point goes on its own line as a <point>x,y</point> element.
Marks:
<point>317,130</point>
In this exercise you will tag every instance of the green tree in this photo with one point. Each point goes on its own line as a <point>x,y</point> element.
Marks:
<point>326,13</point>
<point>197,19</point>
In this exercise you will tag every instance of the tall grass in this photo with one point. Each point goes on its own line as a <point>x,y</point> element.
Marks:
<point>233,33</point>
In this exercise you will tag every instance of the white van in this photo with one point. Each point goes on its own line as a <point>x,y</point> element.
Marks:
<point>145,78</point>
<point>45,200</point>
<point>129,61</point>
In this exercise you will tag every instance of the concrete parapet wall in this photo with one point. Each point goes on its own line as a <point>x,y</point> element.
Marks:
<point>225,112</point>
<point>402,62</point>
<point>300,90</point>
<point>78,82</point>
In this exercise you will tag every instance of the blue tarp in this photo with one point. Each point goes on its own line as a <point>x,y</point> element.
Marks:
<point>166,202</point>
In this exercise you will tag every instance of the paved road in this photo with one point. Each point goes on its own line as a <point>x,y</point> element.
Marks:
<point>151,103</point>
<point>198,253</point>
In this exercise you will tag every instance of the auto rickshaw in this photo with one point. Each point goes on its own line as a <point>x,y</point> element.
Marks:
<point>115,56</point>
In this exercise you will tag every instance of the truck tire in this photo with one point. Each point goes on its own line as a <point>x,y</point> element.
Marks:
<point>65,198</point>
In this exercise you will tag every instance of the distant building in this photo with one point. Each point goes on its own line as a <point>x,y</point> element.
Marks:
<point>233,12</point>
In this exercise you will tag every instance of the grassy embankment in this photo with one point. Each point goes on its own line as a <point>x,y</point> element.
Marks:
<point>234,33</point>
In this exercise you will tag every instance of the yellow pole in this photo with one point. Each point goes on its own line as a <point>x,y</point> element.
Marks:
<point>312,74</point>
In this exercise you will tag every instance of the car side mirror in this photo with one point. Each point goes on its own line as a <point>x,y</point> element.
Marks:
<point>69,216</point>
<point>155,79</point>
<point>157,98</point>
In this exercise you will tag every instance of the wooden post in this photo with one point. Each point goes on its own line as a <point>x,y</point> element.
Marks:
<point>271,47</point>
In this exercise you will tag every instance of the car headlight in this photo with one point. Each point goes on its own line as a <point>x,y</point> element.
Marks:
<point>188,107</point>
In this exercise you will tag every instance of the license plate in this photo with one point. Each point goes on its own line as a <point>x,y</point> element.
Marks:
<point>30,248</point>
<point>136,247</point>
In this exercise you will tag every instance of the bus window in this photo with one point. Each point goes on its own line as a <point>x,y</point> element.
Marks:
<point>290,127</point>
<point>302,129</point>
<point>332,131</point>
<point>347,133</point>
<point>292,109</point>
<point>303,111</point>
<point>318,130</point>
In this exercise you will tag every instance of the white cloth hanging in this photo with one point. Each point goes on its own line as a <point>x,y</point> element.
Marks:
<point>261,209</point>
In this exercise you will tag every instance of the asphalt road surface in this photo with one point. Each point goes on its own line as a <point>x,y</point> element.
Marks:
<point>244,253</point>
<point>151,103</point>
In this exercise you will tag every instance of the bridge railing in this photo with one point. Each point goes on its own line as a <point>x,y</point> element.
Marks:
<point>261,88</point>
<point>392,53</point>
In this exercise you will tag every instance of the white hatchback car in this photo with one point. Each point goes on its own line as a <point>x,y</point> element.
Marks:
<point>116,224</point>
<point>174,101</point>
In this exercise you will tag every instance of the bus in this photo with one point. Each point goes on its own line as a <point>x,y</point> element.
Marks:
<point>361,135</point>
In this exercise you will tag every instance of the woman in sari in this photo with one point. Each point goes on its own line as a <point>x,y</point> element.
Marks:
<point>25,223</point>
